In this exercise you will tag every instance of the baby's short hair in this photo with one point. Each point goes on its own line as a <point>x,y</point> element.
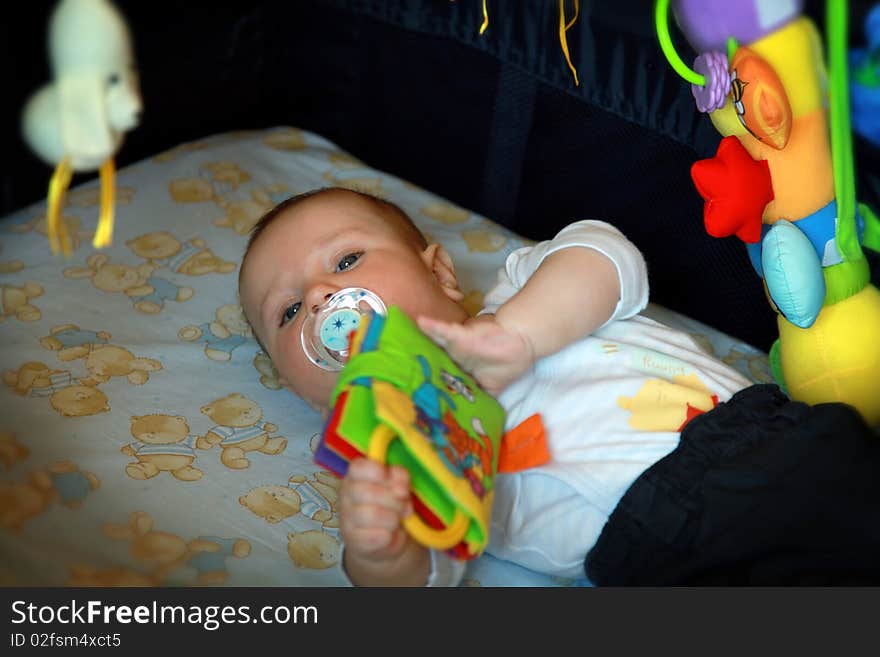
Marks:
<point>389,210</point>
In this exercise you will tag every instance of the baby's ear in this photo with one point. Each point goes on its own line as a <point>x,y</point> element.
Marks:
<point>440,262</point>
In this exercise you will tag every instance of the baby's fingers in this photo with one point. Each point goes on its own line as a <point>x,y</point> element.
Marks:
<point>441,332</point>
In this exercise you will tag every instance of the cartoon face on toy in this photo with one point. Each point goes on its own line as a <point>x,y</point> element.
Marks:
<point>761,103</point>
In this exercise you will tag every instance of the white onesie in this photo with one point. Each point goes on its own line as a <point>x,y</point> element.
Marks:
<point>612,405</point>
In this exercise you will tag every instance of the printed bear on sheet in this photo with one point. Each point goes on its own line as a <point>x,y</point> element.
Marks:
<point>243,214</point>
<point>240,214</point>
<point>286,139</point>
<point>116,576</point>
<point>473,302</point>
<point>162,444</point>
<point>366,184</point>
<point>165,553</point>
<point>229,330</point>
<point>10,267</point>
<point>219,184</point>
<point>106,361</point>
<point>483,240</point>
<point>148,292</point>
<point>191,258</point>
<point>90,197</point>
<point>239,430</point>
<point>11,450</point>
<point>268,374</point>
<point>78,235</point>
<point>67,396</point>
<point>71,342</point>
<point>315,549</point>
<point>172,153</point>
<point>63,482</point>
<point>15,301</point>
<point>314,497</point>
<point>445,213</point>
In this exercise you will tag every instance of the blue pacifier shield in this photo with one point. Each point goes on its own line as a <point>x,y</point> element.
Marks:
<point>326,332</point>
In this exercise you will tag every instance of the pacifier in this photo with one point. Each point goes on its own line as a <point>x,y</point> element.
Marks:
<point>326,333</point>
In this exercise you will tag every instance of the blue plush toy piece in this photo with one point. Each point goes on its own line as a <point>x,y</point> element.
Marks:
<point>793,273</point>
<point>865,81</point>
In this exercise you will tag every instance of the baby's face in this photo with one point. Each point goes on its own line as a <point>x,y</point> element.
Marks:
<point>313,249</point>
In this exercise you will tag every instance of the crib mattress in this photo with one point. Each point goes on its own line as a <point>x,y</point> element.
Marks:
<point>144,438</point>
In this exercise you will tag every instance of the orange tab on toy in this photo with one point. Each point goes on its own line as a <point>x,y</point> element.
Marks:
<point>760,100</point>
<point>524,446</point>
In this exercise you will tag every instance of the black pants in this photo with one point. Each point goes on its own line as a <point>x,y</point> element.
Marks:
<point>760,491</point>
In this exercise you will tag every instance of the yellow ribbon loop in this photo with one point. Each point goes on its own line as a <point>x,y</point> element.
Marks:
<point>104,232</point>
<point>485,24</point>
<point>563,28</point>
<point>56,228</point>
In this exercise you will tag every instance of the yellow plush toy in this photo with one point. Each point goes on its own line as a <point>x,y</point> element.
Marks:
<point>77,122</point>
<point>783,182</point>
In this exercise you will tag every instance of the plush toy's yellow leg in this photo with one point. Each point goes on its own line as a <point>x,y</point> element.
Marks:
<point>56,229</point>
<point>104,233</point>
<point>838,358</point>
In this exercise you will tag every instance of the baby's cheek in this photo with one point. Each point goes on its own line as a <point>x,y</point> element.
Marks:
<point>309,382</point>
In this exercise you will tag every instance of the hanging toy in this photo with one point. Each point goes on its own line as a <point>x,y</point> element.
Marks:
<point>77,122</point>
<point>564,26</point>
<point>865,89</point>
<point>783,182</point>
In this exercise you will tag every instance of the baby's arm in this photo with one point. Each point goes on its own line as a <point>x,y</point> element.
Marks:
<point>548,296</point>
<point>373,500</point>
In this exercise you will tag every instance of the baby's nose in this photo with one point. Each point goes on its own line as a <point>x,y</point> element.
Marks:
<point>316,306</point>
<point>317,293</point>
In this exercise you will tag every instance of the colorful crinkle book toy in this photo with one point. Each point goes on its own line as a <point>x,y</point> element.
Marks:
<point>402,400</point>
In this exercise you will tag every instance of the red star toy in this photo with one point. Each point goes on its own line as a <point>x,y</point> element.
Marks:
<point>736,189</point>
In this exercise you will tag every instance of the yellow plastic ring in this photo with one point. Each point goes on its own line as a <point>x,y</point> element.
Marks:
<point>440,539</point>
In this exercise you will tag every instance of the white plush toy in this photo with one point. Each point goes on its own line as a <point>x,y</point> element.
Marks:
<point>77,122</point>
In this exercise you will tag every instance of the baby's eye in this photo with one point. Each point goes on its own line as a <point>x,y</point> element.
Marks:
<point>348,261</point>
<point>290,313</point>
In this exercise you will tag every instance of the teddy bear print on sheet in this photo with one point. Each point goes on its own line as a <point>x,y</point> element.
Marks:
<point>238,430</point>
<point>350,173</point>
<point>219,183</point>
<point>78,395</point>
<point>228,330</point>
<point>266,369</point>
<point>147,291</point>
<point>34,493</point>
<point>191,258</point>
<point>167,557</point>
<point>305,508</point>
<point>311,499</point>
<point>66,394</point>
<point>11,451</point>
<point>75,202</point>
<point>16,296</point>
<point>10,266</point>
<point>162,443</point>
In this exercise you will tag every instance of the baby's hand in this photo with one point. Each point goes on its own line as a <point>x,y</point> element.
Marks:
<point>373,500</point>
<point>495,355</point>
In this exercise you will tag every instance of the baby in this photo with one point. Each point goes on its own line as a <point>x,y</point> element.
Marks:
<point>646,482</point>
